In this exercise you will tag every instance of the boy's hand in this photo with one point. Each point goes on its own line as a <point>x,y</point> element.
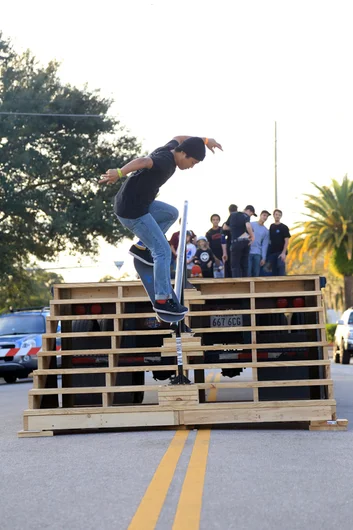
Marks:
<point>212,144</point>
<point>110,177</point>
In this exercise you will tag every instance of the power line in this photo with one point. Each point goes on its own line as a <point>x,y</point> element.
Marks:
<point>49,114</point>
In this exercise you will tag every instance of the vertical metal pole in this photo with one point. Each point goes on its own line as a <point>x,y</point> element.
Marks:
<point>179,284</point>
<point>181,253</point>
<point>276,196</point>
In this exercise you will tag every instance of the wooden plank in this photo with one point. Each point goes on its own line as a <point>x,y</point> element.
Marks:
<point>153,388</point>
<point>272,346</point>
<point>256,295</point>
<point>111,316</point>
<point>256,311</point>
<point>107,333</point>
<point>107,370</point>
<point>106,316</point>
<point>70,301</point>
<point>283,414</point>
<point>33,402</point>
<point>255,390</point>
<point>152,408</point>
<point>254,327</point>
<point>329,425</point>
<point>99,421</point>
<point>189,337</point>
<point>267,384</point>
<point>34,434</point>
<point>92,390</point>
<point>163,331</point>
<point>194,299</point>
<point>215,347</point>
<point>256,364</point>
<point>292,284</point>
<point>194,281</point>
<point>327,370</point>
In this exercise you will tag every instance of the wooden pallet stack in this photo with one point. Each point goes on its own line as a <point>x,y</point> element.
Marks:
<point>91,370</point>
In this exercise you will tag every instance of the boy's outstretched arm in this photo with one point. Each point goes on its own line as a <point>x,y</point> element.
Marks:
<point>209,142</point>
<point>112,175</point>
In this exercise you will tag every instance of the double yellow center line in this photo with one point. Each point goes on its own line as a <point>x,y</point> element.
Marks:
<point>190,501</point>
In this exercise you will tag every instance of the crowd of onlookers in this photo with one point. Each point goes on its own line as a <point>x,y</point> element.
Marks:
<point>236,248</point>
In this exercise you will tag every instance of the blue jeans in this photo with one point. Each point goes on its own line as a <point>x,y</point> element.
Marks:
<point>254,264</point>
<point>278,266</point>
<point>150,228</point>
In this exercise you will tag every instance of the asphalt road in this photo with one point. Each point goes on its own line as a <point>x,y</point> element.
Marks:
<point>247,479</point>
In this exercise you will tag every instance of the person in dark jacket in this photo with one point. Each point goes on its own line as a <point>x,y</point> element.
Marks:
<point>242,236</point>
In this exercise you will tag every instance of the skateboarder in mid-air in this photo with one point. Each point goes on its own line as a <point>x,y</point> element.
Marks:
<point>136,208</point>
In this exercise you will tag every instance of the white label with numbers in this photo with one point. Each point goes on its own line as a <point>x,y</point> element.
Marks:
<point>226,321</point>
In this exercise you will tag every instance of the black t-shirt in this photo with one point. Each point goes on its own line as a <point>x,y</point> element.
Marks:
<point>277,235</point>
<point>237,223</point>
<point>141,188</point>
<point>214,237</point>
<point>203,257</point>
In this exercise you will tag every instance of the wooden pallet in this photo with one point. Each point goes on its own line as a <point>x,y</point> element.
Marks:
<point>119,324</point>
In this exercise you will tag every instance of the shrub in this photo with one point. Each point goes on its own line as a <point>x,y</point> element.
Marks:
<point>330,332</point>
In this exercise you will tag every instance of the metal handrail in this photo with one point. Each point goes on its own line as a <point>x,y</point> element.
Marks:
<point>179,272</point>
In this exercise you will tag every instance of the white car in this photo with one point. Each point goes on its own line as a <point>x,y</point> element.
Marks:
<point>344,338</point>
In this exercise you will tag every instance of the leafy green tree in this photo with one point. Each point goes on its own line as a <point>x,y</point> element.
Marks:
<point>333,293</point>
<point>27,288</point>
<point>55,142</point>
<point>328,232</point>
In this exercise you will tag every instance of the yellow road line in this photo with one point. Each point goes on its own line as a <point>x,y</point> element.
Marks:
<point>212,395</point>
<point>189,507</point>
<point>209,377</point>
<point>147,513</point>
<point>190,502</point>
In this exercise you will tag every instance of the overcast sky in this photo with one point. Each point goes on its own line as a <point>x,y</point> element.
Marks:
<point>221,69</point>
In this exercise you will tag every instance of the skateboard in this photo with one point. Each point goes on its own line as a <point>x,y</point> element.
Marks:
<point>146,275</point>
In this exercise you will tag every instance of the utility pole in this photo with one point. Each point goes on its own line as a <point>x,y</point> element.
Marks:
<point>276,195</point>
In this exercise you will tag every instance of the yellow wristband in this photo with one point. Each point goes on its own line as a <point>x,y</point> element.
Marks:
<point>206,141</point>
<point>120,173</point>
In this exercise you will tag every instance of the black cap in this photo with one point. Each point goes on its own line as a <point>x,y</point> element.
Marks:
<point>194,147</point>
<point>251,208</point>
<point>265,211</point>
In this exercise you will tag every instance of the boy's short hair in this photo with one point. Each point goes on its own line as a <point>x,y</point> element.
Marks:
<point>233,208</point>
<point>215,215</point>
<point>277,210</point>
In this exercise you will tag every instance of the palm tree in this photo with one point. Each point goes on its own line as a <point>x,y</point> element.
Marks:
<point>328,231</point>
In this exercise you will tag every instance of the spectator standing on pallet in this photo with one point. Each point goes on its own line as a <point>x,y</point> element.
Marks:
<point>205,257</point>
<point>190,253</point>
<point>279,240</point>
<point>242,236</point>
<point>258,249</point>
<point>214,236</point>
<point>226,238</point>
